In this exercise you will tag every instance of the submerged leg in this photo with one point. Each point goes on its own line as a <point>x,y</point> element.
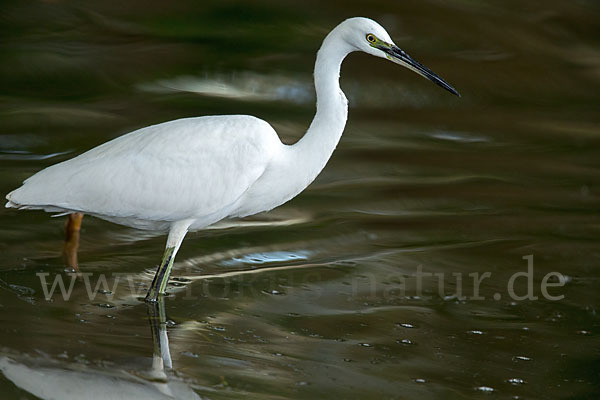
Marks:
<point>72,228</point>
<point>159,283</point>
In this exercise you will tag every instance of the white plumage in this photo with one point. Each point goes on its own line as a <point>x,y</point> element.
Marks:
<point>190,173</point>
<point>196,168</point>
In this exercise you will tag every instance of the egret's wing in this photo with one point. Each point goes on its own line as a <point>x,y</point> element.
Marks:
<point>176,170</point>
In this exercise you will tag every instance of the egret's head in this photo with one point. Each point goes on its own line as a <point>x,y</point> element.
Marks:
<point>368,36</point>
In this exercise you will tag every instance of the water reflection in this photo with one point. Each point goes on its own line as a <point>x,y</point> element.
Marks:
<point>161,358</point>
<point>49,379</point>
<point>246,86</point>
<point>25,155</point>
<point>456,187</point>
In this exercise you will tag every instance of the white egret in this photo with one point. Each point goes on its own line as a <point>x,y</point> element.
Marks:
<point>187,174</point>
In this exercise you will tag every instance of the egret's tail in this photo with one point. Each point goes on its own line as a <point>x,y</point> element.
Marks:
<point>25,205</point>
<point>10,203</point>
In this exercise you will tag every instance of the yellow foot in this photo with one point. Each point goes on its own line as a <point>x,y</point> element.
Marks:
<point>72,228</point>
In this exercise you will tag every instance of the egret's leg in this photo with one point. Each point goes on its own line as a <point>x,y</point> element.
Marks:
<point>72,229</point>
<point>159,283</point>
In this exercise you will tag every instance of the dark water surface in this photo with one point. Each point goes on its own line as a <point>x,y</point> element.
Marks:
<point>360,288</point>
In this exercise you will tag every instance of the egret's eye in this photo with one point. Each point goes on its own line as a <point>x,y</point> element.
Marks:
<point>371,38</point>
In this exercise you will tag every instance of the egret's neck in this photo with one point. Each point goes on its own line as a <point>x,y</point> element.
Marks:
<point>312,152</point>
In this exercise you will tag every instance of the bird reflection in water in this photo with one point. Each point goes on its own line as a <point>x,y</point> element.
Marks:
<point>161,357</point>
<point>51,379</point>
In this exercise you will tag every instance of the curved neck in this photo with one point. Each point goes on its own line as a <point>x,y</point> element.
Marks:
<point>312,152</point>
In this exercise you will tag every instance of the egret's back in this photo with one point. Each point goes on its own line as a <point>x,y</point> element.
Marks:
<point>166,172</point>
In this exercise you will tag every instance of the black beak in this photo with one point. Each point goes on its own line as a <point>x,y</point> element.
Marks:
<point>399,56</point>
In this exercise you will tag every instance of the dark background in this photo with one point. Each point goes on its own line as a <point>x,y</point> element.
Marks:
<point>421,179</point>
